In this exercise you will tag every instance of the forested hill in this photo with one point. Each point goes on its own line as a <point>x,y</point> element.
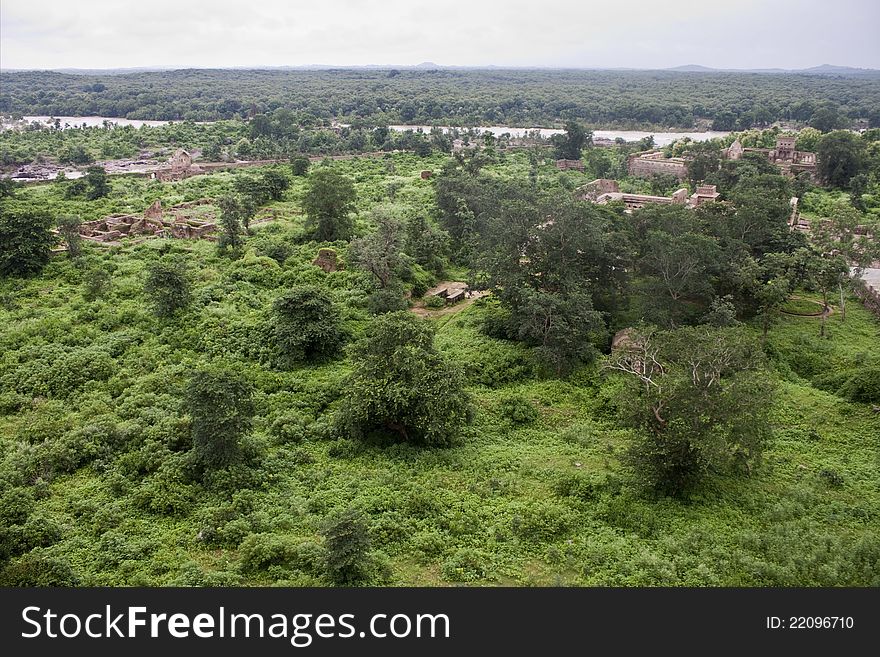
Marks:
<point>723,100</point>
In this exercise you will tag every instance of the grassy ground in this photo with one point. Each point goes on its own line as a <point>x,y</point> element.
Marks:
<point>91,426</point>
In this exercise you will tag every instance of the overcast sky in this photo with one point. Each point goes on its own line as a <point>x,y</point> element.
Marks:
<point>578,33</point>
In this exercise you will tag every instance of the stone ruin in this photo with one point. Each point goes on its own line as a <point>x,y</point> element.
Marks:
<point>153,222</point>
<point>180,166</point>
<point>565,165</point>
<point>654,163</point>
<point>326,260</point>
<point>604,190</point>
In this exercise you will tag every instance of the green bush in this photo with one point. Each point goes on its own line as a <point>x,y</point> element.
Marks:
<point>518,409</point>
<point>540,520</point>
<point>467,565</point>
<point>37,568</point>
<point>259,552</point>
<point>347,543</point>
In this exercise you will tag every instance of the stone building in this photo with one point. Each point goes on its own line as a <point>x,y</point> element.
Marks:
<point>180,166</point>
<point>704,194</point>
<point>564,165</point>
<point>653,163</point>
<point>603,190</point>
<point>734,151</point>
<point>790,161</point>
<point>181,161</point>
<point>593,190</point>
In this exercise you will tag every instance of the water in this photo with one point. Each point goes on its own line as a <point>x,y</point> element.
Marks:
<point>660,138</point>
<point>90,121</point>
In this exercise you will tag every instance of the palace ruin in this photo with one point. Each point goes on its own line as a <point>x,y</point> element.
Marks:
<point>604,190</point>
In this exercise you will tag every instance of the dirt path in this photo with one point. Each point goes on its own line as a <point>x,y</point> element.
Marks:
<point>824,311</point>
<point>429,313</point>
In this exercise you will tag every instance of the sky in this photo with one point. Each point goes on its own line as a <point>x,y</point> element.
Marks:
<point>40,34</point>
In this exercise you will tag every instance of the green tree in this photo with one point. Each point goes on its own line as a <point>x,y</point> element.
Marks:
<point>699,400</point>
<point>7,188</point>
<point>808,140</point>
<point>99,186</point>
<point>771,295</point>
<point>26,240</point>
<point>402,386</point>
<point>68,227</point>
<point>379,253</point>
<point>307,326</point>
<point>75,188</point>
<point>826,119</point>
<point>275,183</point>
<point>328,203</point>
<point>300,165</point>
<point>546,257</point>
<point>234,213</point>
<point>829,273</point>
<point>168,286</point>
<point>74,154</point>
<point>841,156</point>
<point>221,410</point>
<point>347,541</point>
<point>570,145</point>
<point>426,244</point>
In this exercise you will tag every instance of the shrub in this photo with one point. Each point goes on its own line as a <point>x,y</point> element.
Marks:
<point>220,405</point>
<point>540,521</point>
<point>37,568</point>
<point>262,551</point>
<point>518,409</point>
<point>307,325</point>
<point>387,300</point>
<point>168,286</point>
<point>467,565</point>
<point>403,387</point>
<point>347,542</point>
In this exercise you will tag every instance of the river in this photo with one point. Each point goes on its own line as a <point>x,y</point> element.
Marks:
<point>660,138</point>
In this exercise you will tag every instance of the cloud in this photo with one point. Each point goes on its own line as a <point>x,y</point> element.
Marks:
<point>628,33</point>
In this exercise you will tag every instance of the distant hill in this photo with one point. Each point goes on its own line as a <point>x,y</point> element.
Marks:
<point>824,69</point>
<point>693,68</point>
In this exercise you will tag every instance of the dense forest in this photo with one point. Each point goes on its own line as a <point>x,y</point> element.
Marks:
<point>228,412</point>
<point>726,101</point>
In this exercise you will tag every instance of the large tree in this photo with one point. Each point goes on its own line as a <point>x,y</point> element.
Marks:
<point>402,386</point>
<point>235,215</point>
<point>307,326</point>
<point>545,258</point>
<point>221,410</point>
<point>841,156</point>
<point>569,145</point>
<point>698,399</point>
<point>99,185</point>
<point>328,204</point>
<point>26,240</point>
<point>380,252</point>
<point>68,227</point>
<point>168,286</point>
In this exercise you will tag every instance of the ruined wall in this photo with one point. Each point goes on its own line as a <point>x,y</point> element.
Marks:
<point>645,167</point>
<point>870,296</point>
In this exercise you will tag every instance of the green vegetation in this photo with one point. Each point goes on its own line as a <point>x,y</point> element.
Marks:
<point>452,97</point>
<point>230,441</point>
